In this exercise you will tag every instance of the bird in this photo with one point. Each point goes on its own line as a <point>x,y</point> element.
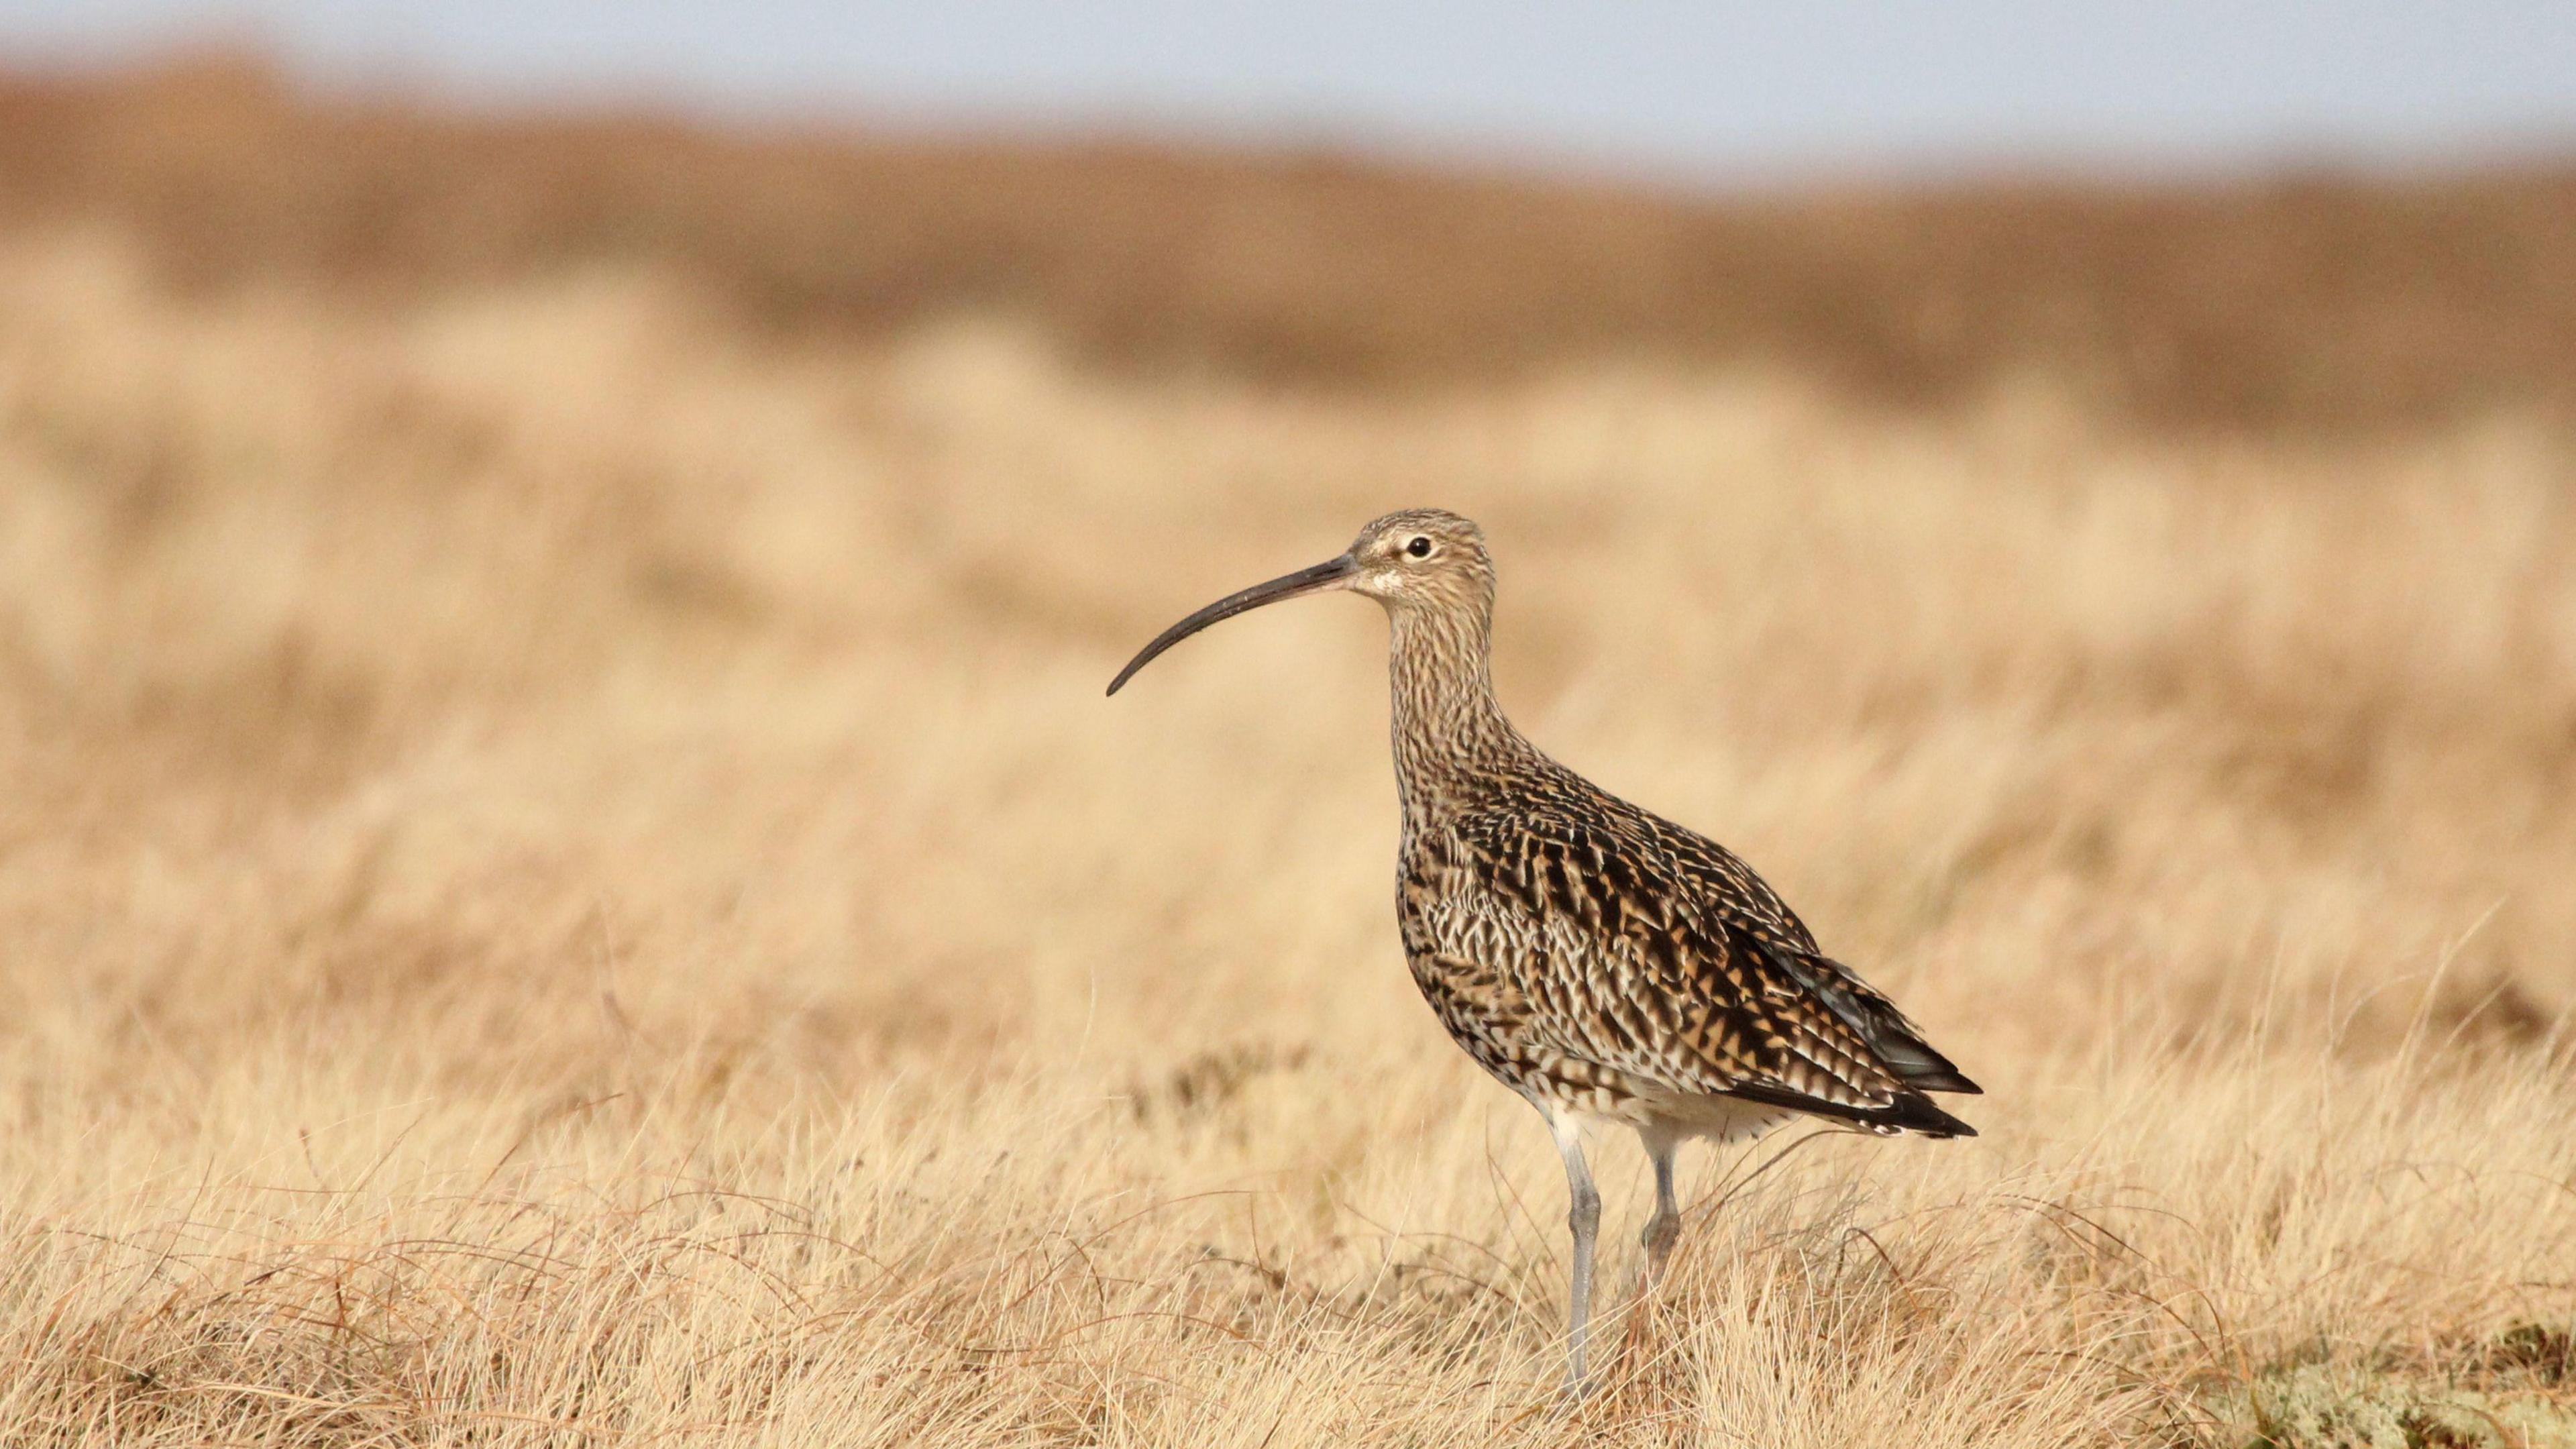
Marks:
<point>1609,966</point>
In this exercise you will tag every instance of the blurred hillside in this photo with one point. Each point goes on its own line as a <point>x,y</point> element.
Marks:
<point>2318,303</point>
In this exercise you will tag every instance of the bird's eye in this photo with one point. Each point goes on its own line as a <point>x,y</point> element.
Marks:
<point>1419,548</point>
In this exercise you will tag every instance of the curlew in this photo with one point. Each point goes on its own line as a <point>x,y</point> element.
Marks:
<point>1604,963</point>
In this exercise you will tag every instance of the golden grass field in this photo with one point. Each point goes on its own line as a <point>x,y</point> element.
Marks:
<point>565,879</point>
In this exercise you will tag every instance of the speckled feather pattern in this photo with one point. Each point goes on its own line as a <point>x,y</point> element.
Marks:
<point>1597,959</point>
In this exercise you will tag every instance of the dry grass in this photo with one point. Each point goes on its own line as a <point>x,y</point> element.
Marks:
<point>2324,303</point>
<point>564,879</point>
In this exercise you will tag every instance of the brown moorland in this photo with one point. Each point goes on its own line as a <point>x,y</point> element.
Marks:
<point>565,878</point>
<point>2319,301</point>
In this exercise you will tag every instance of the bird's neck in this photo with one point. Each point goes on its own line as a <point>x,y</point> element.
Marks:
<point>1450,733</point>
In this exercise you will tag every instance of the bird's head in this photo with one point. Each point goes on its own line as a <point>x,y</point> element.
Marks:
<point>1418,559</point>
<point>1422,558</point>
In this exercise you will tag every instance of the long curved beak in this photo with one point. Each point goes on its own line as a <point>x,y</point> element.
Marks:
<point>1287,586</point>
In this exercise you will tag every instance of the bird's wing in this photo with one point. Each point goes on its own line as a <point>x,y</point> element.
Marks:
<point>1668,960</point>
<point>1751,909</point>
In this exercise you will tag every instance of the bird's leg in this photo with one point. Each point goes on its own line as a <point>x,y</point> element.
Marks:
<point>1666,1225</point>
<point>1584,1216</point>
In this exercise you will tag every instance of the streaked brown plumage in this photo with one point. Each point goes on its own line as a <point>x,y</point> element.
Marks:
<point>1605,963</point>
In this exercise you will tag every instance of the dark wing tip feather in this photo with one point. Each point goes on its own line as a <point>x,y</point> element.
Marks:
<point>1914,1112</point>
<point>1910,1112</point>
<point>1896,1042</point>
<point>1942,1081</point>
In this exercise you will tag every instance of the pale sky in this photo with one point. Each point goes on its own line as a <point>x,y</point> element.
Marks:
<point>1712,90</point>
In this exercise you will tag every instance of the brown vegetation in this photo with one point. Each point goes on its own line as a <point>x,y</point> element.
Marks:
<point>565,878</point>
<point>2322,302</point>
